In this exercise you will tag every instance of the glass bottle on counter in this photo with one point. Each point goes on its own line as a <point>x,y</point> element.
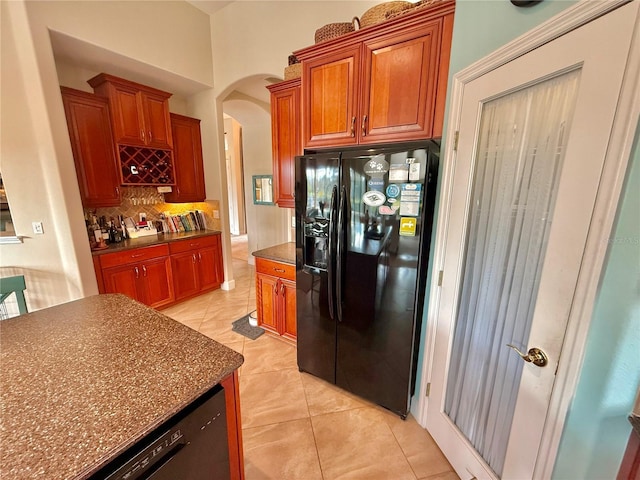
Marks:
<point>112,231</point>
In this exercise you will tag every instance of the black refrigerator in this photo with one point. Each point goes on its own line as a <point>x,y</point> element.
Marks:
<point>363,229</point>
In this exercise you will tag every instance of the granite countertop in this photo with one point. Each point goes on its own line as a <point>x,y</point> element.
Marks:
<point>285,253</point>
<point>82,381</point>
<point>153,240</point>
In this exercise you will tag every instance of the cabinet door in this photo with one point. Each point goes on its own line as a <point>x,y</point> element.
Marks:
<point>187,161</point>
<point>399,80</point>
<point>209,260</point>
<point>157,283</point>
<point>156,120</point>
<point>126,110</point>
<point>92,144</point>
<point>267,301</point>
<point>287,312</point>
<point>123,279</point>
<point>184,267</point>
<point>331,89</point>
<point>285,139</point>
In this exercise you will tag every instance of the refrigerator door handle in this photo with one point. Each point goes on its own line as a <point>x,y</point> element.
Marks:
<point>340,247</point>
<point>330,265</point>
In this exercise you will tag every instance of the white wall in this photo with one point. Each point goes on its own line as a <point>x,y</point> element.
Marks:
<point>253,38</point>
<point>266,224</point>
<point>37,162</point>
<point>171,37</point>
<point>36,169</point>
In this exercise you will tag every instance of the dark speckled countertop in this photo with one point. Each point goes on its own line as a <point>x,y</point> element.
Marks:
<point>153,240</point>
<point>82,381</point>
<point>285,253</point>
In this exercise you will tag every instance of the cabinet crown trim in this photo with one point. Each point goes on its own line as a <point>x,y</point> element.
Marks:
<point>105,77</point>
<point>401,23</point>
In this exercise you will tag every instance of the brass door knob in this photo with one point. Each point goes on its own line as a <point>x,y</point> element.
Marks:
<point>534,355</point>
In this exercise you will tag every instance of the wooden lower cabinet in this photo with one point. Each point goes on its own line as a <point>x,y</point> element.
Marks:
<point>276,297</point>
<point>161,275</point>
<point>143,274</point>
<point>196,265</point>
<point>234,427</point>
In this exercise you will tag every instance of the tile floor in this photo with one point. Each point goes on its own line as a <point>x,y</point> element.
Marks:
<point>296,426</point>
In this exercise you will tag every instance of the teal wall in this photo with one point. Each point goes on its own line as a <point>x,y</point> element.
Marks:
<point>596,429</point>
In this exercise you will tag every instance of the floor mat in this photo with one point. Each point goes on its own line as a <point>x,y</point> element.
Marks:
<point>242,327</point>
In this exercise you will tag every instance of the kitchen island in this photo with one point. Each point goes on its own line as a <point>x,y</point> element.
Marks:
<point>84,381</point>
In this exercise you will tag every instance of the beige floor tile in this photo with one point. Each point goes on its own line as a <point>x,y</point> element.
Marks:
<point>421,450</point>
<point>237,346</point>
<point>358,444</point>
<point>323,397</point>
<point>284,451</point>
<point>267,354</point>
<point>271,397</point>
<point>442,476</point>
<point>220,331</point>
<point>295,423</point>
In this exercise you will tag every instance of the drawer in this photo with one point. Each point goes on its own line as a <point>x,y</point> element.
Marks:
<point>189,244</point>
<point>135,255</point>
<point>277,269</point>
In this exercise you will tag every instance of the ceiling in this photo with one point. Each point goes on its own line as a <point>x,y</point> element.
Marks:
<point>90,57</point>
<point>209,6</point>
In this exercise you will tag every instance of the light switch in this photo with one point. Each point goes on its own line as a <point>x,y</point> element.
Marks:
<point>37,228</point>
<point>216,214</point>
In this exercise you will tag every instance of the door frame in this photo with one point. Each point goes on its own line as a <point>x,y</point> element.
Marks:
<point>612,180</point>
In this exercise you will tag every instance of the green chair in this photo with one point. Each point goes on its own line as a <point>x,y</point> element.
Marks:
<point>17,286</point>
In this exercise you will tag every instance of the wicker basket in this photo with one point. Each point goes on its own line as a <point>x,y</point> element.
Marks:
<point>293,71</point>
<point>381,12</point>
<point>416,6</point>
<point>333,30</point>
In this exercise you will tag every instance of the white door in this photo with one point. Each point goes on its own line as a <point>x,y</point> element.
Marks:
<point>532,142</point>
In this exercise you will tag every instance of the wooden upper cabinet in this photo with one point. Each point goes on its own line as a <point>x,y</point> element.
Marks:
<point>156,108</point>
<point>140,114</point>
<point>92,145</point>
<point>384,83</point>
<point>332,83</point>
<point>286,136</point>
<point>399,86</point>
<point>187,161</point>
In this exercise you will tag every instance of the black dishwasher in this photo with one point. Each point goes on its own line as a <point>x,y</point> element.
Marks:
<point>191,446</point>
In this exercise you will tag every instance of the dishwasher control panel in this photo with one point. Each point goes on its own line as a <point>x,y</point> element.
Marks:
<point>191,446</point>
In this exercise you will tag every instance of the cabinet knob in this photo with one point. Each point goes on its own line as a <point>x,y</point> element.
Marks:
<point>193,257</point>
<point>135,269</point>
<point>199,257</point>
<point>142,136</point>
<point>144,270</point>
<point>364,126</point>
<point>353,126</point>
<point>280,270</point>
<point>150,136</point>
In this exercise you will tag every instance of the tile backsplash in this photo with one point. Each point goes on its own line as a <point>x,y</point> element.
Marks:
<point>147,200</point>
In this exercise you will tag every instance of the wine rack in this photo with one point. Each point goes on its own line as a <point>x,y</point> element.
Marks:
<point>145,166</point>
